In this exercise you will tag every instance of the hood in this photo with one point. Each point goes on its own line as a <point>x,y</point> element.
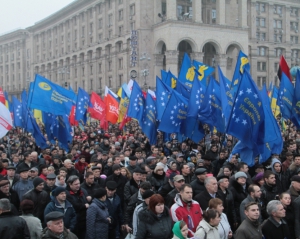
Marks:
<point>176,230</point>
<point>58,185</point>
<point>275,160</point>
<point>206,226</point>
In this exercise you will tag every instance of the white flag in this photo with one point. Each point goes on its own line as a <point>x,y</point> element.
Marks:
<point>5,120</point>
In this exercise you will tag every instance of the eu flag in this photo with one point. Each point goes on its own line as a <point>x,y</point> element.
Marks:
<point>203,70</point>
<point>136,103</point>
<point>149,120</point>
<point>193,129</point>
<point>163,94</point>
<point>17,113</point>
<point>174,114</point>
<point>183,89</point>
<point>285,97</point>
<point>48,121</point>
<point>82,104</point>
<point>49,97</point>
<point>187,71</point>
<point>242,65</point>
<point>64,132</point>
<point>164,75</point>
<point>296,102</point>
<point>171,80</point>
<point>247,154</point>
<point>247,116</point>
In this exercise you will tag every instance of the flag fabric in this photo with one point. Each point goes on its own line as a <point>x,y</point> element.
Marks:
<point>48,121</point>
<point>149,119</point>
<point>203,70</point>
<point>285,97</point>
<point>246,120</point>
<point>72,119</point>
<point>225,94</point>
<point>193,129</point>
<point>82,105</point>
<point>64,132</point>
<point>37,114</point>
<point>136,103</point>
<point>97,108</point>
<point>111,106</point>
<point>242,65</point>
<point>50,97</point>
<point>296,102</point>
<point>247,154</point>
<point>7,102</point>
<point>211,112</point>
<point>164,75</point>
<point>275,108</point>
<point>171,80</point>
<point>187,71</point>
<point>2,96</point>
<point>196,99</point>
<point>284,68</point>
<point>123,105</point>
<point>174,114</point>
<point>163,94</point>
<point>183,89</point>
<point>17,113</point>
<point>5,120</point>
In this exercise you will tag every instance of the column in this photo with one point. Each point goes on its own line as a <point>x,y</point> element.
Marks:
<point>172,61</point>
<point>242,13</point>
<point>159,64</point>
<point>197,56</point>
<point>197,11</point>
<point>286,21</point>
<point>171,9</point>
<point>220,8</point>
<point>221,60</point>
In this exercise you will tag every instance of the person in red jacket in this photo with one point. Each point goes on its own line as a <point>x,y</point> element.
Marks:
<point>187,209</point>
<point>81,164</point>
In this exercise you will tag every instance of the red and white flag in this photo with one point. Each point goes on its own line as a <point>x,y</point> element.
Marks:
<point>5,120</point>
<point>97,111</point>
<point>2,96</point>
<point>112,106</point>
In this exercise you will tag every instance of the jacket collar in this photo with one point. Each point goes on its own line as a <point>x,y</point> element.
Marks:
<point>276,224</point>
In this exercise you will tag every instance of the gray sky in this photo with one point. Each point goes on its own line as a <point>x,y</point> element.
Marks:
<point>24,13</point>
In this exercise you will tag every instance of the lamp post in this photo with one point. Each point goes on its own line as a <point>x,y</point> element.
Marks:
<point>64,71</point>
<point>145,58</point>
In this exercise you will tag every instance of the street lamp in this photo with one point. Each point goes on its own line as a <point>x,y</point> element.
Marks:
<point>64,71</point>
<point>145,72</point>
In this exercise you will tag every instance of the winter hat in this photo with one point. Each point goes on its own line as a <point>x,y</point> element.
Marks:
<point>37,181</point>
<point>115,167</point>
<point>240,175</point>
<point>258,177</point>
<point>99,193</point>
<point>58,191</point>
<point>147,194</point>
<point>176,230</point>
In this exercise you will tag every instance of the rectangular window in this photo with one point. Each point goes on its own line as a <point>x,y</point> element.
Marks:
<point>110,20</point>
<point>109,82</point>
<point>121,15</point>
<point>109,65</point>
<point>121,63</point>
<point>100,23</point>
<point>120,30</point>
<point>132,10</point>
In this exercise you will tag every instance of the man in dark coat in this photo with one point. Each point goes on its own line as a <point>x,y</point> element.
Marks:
<point>211,191</point>
<point>9,193</point>
<point>295,187</point>
<point>217,164</point>
<point>275,227</point>
<point>70,170</point>
<point>132,186</point>
<point>198,183</point>
<point>11,226</point>
<point>119,179</point>
<point>39,197</point>
<point>89,185</point>
<point>178,181</point>
<point>50,183</point>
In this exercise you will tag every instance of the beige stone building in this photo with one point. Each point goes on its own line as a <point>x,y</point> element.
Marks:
<point>97,43</point>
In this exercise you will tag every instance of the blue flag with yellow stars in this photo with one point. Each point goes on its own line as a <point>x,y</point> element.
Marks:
<point>174,114</point>
<point>136,103</point>
<point>285,96</point>
<point>246,120</point>
<point>187,71</point>
<point>163,93</point>
<point>149,119</point>
<point>242,65</point>
<point>82,104</point>
<point>296,102</point>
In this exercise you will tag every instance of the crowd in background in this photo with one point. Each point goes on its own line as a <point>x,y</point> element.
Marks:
<point>114,184</point>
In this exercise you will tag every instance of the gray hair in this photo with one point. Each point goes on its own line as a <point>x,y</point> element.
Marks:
<point>272,206</point>
<point>5,204</point>
<point>72,179</point>
<point>67,161</point>
<point>208,180</point>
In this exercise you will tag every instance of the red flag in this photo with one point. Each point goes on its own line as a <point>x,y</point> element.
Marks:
<point>2,97</point>
<point>125,120</point>
<point>283,67</point>
<point>72,120</point>
<point>104,124</point>
<point>97,111</point>
<point>112,106</point>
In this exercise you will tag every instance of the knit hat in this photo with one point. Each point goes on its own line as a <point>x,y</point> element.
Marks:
<point>147,194</point>
<point>157,168</point>
<point>99,193</point>
<point>115,167</point>
<point>37,181</point>
<point>240,175</point>
<point>58,191</point>
<point>258,177</point>
<point>200,161</point>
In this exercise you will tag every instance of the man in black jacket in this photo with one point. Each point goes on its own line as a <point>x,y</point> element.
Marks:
<point>132,186</point>
<point>39,197</point>
<point>9,193</point>
<point>89,185</point>
<point>198,183</point>
<point>11,226</point>
<point>50,183</point>
<point>275,227</point>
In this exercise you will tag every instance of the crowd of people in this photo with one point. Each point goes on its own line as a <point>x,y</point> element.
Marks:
<point>115,184</point>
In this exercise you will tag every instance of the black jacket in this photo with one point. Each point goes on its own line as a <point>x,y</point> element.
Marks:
<point>268,193</point>
<point>131,187</point>
<point>157,181</point>
<point>12,197</point>
<point>271,229</point>
<point>166,188</point>
<point>135,200</point>
<point>13,227</point>
<point>203,199</point>
<point>90,189</point>
<point>217,165</point>
<point>291,220</point>
<point>48,189</point>
<point>153,227</point>
<point>115,211</point>
<point>239,194</point>
<point>296,207</point>
<point>197,187</point>
<point>121,181</point>
<point>228,204</point>
<point>40,200</point>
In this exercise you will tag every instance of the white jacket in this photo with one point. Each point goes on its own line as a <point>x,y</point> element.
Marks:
<point>205,228</point>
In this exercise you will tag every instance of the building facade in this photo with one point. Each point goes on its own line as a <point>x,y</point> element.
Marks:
<point>97,43</point>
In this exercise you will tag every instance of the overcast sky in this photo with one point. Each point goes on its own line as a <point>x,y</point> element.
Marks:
<point>24,13</point>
